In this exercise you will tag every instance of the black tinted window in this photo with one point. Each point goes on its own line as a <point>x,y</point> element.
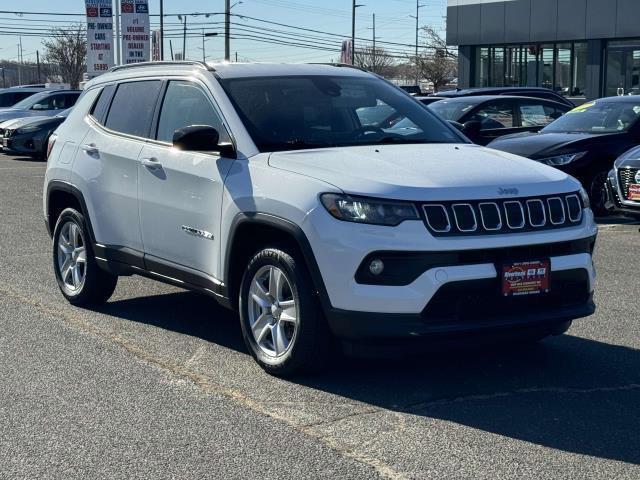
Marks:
<point>101,105</point>
<point>8,99</point>
<point>185,104</point>
<point>132,108</point>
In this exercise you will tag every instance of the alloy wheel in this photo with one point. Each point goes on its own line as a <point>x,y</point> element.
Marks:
<point>273,312</point>
<point>72,256</point>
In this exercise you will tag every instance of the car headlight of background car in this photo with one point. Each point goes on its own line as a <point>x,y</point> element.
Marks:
<point>560,160</point>
<point>368,210</point>
<point>30,129</point>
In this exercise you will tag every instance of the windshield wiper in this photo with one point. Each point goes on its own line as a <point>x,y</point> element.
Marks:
<point>391,140</point>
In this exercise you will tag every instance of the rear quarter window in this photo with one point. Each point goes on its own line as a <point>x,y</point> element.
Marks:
<point>101,105</point>
<point>132,108</point>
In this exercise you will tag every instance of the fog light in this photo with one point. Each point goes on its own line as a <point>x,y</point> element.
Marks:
<point>376,267</point>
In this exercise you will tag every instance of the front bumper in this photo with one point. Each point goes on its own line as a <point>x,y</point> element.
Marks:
<point>23,144</point>
<point>472,308</point>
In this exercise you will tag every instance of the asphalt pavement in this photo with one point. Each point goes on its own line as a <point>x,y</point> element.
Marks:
<point>158,384</point>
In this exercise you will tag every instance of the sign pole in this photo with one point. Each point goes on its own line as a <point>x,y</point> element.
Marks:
<point>118,39</point>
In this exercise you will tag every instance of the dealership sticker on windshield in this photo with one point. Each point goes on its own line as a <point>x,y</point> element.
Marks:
<point>634,191</point>
<point>525,278</point>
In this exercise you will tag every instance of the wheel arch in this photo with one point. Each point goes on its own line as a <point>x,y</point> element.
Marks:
<point>61,195</point>
<point>250,232</point>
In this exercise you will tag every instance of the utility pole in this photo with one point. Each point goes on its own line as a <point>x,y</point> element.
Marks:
<point>20,61</point>
<point>373,63</point>
<point>4,80</point>
<point>184,38</point>
<point>354,5</point>
<point>171,48</point>
<point>161,30</point>
<point>38,62</point>
<point>227,28</point>
<point>204,52</point>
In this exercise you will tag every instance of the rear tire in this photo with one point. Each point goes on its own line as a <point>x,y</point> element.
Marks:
<point>282,322</point>
<point>81,280</point>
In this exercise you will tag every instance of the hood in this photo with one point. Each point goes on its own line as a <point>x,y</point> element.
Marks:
<point>12,113</point>
<point>541,145</point>
<point>10,123</point>
<point>425,172</point>
<point>21,122</point>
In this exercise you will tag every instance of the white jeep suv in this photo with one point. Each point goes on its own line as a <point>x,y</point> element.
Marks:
<point>320,201</point>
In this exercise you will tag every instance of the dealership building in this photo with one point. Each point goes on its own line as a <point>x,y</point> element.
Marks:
<point>581,48</point>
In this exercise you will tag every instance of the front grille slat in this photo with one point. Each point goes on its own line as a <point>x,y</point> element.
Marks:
<point>483,217</point>
<point>627,176</point>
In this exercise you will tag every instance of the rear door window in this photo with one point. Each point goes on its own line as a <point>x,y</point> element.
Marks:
<point>132,108</point>
<point>495,115</point>
<point>535,114</point>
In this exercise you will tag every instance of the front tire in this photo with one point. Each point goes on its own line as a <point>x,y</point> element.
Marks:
<point>282,323</point>
<point>597,193</point>
<point>81,280</point>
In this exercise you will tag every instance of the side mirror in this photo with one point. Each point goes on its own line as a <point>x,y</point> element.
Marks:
<point>201,138</point>
<point>472,127</point>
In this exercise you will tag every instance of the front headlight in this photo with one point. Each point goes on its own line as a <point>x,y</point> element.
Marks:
<point>368,210</point>
<point>585,198</point>
<point>563,159</point>
<point>33,128</point>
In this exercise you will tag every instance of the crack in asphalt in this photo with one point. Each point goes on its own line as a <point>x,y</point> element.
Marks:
<point>512,393</point>
<point>382,469</point>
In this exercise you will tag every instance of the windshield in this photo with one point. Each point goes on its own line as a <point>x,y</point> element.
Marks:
<point>597,117</point>
<point>289,113</point>
<point>32,100</point>
<point>452,109</point>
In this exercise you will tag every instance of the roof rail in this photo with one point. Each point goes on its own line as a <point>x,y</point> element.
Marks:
<point>338,64</point>
<point>153,64</point>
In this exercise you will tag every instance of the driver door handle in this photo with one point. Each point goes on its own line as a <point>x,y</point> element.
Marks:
<point>151,163</point>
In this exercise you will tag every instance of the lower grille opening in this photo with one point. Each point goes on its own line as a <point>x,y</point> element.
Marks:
<point>479,301</point>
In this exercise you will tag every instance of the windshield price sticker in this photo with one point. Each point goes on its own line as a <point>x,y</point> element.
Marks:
<point>526,278</point>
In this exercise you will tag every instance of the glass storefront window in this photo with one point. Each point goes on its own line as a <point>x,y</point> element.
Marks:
<point>546,66</point>
<point>579,74</point>
<point>498,79</point>
<point>483,72</point>
<point>561,67</point>
<point>623,68</point>
<point>562,82</point>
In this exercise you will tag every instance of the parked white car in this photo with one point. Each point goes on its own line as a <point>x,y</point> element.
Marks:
<point>279,191</point>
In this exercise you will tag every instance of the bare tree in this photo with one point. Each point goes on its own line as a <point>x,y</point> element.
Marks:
<point>375,60</point>
<point>436,42</point>
<point>66,50</point>
<point>437,69</point>
<point>437,63</point>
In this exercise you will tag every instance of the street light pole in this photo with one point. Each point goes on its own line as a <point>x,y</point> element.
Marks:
<point>353,32</point>
<point>227,28</point>
<point>354,5</point>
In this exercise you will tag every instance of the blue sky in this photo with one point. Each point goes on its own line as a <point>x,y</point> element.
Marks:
<point>393,24</point>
